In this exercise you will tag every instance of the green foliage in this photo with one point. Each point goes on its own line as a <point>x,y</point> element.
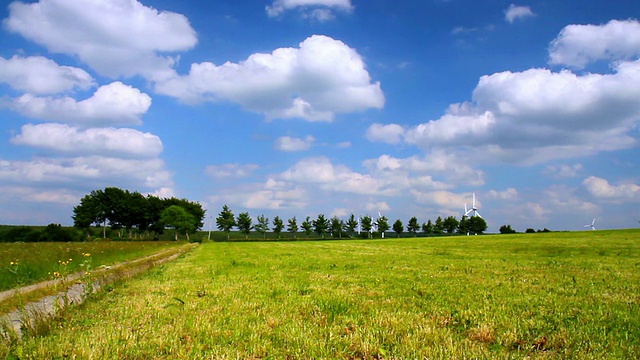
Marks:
<point>178,218</point>
<point>427,227</point>
<point>337,227</point>
<point>366,222</point>
<point>278,226</point>
<point>320,225</point>
<point>351,225</point>
<point>307,226</point>
<point>244,223</point>
<point>225,220</point>
<point>262,226</point>
<point>413,226</point>
<point>292,226</point>
<point>398,227</point>
<point>383,224</point>
<point>506,229</point>
<point>450,224</point>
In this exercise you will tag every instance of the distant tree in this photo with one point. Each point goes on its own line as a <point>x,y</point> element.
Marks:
<point>383,225</point>
<point>292,226</point>
<point>262,226</point>
<point>320,225</point>
<point>450,224</point>
<point>226,220</point>
<point>413,226</point>
<point>55,232</point>
<point>463,225</point>
<point>178,218</point>
<point>477,225</point>
<point>506,229</point>
<point>243,222</point>
<point>398,227</point>
<point>278,225</point>
<point>337,227</point>
<point>307,226</point>
<point>530,231</point>
<point>351,225</point>
<point>427,227</point>
<point>367,224</point>
<point>438,227</point>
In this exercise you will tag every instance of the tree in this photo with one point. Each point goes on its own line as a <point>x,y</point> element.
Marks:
<point>383,225</point>
<point>262,226</point>
<point>278,225</point>
<point>307,226</point>
<point>293,226</point>
<point>463,225</point>
<point>530,231</point>
<point>413,226</point>
<point>351,225</point>
<point>438,227</point>
<point>398,227</point>
<point>450,224</point>
<point>337,226</point>
<point>320,225</point>
<point>178,218</point>
<point>427,227</point>
<point>226,220</point>
<point>366,223</point>
<point>506,229</point>
<point>243,222</point>
<point>477,225</point>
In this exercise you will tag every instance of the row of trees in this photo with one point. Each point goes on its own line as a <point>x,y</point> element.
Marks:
<point>338,228</point>
<point>136,213</point>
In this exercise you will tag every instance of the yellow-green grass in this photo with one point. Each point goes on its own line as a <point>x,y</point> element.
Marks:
<point>556,295</point>
<point>27,263</point>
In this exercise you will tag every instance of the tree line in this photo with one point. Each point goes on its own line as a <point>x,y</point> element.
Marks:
<point>137,214</point>
<point>365,226</point>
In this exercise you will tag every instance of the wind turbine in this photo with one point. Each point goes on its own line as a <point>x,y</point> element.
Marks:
<point>592,224</point>
<point>474,210</point>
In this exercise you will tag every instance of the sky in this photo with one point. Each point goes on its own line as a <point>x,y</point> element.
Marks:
<point>336,107</point>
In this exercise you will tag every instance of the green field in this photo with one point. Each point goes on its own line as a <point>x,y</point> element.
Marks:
<point>556,295</point>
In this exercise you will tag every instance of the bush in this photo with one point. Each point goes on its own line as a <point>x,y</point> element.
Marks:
<point>506,229</point>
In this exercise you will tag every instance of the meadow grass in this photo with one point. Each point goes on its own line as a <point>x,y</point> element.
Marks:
<point>556,295</point>
<point>27,263</point>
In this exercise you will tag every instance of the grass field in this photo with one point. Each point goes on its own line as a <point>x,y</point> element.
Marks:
<point>556,295</point>
<point>26,263</point>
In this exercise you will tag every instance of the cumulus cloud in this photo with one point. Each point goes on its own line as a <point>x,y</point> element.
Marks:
<point>579,45</point>
<point>321,78</point>
<point>290,144</point>
<point>602,189</point>
<point>103,33</point>
<point>390,134</point>
<point>563,170</point>
<point>39,75</point>
<point>515,12</point>
<point>271,195</point>
<point>65,139</point>
<point>113,104</point>
<point>320,10</point>
<point>231,171</point>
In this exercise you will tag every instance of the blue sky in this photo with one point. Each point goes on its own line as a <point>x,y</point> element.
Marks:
<point>307,107</point>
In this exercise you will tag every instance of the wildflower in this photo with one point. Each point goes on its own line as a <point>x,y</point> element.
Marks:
<point>87,254</point>
<point>14,263</point>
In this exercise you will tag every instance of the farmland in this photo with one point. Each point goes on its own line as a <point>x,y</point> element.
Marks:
<point>552,295</point>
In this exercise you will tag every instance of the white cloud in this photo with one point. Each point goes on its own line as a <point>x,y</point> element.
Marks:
<point>287,143</point>
<point>376,207</point>
<point>320,10</point>
<point>321,78</point>
<point>390,134</point>
<point>517,12</point>
<point>579,45</point>
<point>508,194</point>
<point>602,189</point>
<point>231,171</point>
<point>39,75</point>
<point>272,195</point>
<point>113,104</point>
<point>96,141</point>
<point>563,170</point>
<point>103,33</point>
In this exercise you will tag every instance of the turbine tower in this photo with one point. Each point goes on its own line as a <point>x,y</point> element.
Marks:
<point>592,224</point>
<point>474,210</point>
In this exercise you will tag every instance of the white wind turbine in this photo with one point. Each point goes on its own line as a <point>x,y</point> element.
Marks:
<point>474,210</point>
<point>592,225</point>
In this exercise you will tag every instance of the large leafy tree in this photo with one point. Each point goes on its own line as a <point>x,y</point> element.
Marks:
<point>337,227</point>
<point>178,218</point>
<point>244,223</point>
<point>367,224</point>
<point>438,227</point>
<point>477,225</point>
<point>383,225</point>
<point>398,227</point>
<point>278,226</point>
<point>413,226</point>
<point>351,225</point>
<point>427,227</point>
<point>226,220</point>
<point>262,226</point>
<point>292,226</point>
<point>450,224</point>
<point>320,225</point>
<point>307,226</point>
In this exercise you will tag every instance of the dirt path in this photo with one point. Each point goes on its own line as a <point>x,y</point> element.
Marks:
<point>76,290</point>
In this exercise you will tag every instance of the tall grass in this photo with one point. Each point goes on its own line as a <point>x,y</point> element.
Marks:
<point>558,295</point>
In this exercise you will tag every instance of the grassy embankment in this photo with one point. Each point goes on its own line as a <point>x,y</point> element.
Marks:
<point>556,295</point>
